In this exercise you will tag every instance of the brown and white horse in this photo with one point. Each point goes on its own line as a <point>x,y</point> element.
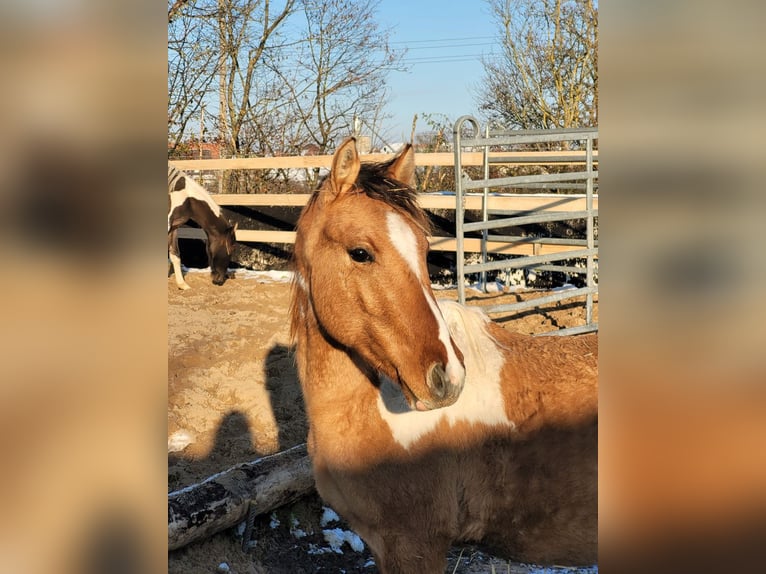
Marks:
<point>429,424</point>
<point>189,200</point>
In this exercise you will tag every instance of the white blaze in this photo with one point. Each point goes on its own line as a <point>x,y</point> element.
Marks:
<point>403,238</point>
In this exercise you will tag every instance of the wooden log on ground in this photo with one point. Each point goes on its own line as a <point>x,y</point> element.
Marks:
<point>224,499</point>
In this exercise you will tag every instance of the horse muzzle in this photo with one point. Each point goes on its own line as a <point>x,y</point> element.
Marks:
<point>444,389</point>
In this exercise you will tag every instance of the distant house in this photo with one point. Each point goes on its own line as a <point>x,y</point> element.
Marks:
<point>195,149</point>
<point>392,148</point>
<point>311,149</point>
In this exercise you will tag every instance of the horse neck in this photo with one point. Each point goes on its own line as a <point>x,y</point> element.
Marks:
<point>187,199</point>
<point>340,398</point>
<point>214,225</point>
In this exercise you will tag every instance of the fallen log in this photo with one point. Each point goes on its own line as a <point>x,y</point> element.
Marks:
<point>225,499</point>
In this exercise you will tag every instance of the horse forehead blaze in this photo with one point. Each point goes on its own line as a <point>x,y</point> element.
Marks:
<point>405,241</point>
<point>409,245</point>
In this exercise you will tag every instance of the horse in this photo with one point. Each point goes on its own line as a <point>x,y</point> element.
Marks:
<point>189,200</point>
<point>429,424</point>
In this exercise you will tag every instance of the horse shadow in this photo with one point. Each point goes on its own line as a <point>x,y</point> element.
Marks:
<point>233,443</point>
<point>286,396</point>
<point>236,433</point>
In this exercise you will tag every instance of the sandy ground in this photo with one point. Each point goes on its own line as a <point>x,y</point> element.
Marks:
<point>233,395</point>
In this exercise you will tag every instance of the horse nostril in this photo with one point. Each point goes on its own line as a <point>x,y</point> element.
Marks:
<point>437,380</point>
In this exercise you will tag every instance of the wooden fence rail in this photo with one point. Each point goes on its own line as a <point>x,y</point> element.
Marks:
<point>536,202</point>
<point>429,201</point>
<point>421,159</point>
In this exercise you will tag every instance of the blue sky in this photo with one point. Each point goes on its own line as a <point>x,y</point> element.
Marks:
<point>445,41</point>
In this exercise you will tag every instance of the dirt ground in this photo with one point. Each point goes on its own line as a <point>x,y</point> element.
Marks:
<point>233,396</point>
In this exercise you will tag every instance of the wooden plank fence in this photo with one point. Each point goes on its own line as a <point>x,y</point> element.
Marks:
<point>440,159</point>
<point>429,201</point>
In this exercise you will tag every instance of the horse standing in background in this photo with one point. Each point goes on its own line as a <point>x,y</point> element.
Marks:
<point>430,425</point>
<point>189,200</point>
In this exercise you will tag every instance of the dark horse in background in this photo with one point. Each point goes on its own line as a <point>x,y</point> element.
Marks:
<point>189,200</point>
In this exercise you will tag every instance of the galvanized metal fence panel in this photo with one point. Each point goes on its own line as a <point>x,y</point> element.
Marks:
<point>579,180</point>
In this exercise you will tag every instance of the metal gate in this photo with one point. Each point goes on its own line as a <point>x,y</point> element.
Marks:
<point>558,248</point>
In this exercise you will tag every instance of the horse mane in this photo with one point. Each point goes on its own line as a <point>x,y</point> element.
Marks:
<point>375,182</point>
<point>468,327</point>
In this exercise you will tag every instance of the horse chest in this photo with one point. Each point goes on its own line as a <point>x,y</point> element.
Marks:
<point>340,444</point>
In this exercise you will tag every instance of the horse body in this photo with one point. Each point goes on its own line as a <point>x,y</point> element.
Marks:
<point>429,424</point>
<point>188,200</point>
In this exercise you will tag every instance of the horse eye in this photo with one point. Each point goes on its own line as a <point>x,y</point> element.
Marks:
<point>361,255</point>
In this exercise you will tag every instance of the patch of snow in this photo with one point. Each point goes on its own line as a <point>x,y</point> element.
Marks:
<point>264,276</point>
<point>179,440</point>
<point>562,570</point>
<point>223,567</point>
<point>260,276</point>
<point>492,287</point>
<point>274,523</point>
<point>316,550</point>
<point>294,530</point>
<point>328,516</point>
<point>335,537</point>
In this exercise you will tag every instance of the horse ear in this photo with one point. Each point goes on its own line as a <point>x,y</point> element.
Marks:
<point>402,167</point>
<point>345,166</point>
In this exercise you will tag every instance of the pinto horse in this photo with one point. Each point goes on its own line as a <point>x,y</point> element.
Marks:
<point>430,425</point>
<point>189,200</point>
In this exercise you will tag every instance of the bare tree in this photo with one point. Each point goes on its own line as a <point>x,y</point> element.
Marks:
<point>276,76</point>
<point>191,69</point>
<point>247,29</point>
<point>436,139</point>
<point>547,74</point>
<point>174,8</point>
<point>341,68</point>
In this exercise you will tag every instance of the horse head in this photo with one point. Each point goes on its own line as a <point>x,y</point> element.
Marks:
<point>361,274</point>
<point>220,248</point>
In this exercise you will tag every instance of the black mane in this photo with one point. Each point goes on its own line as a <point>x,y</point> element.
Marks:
<point>374,181</point>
